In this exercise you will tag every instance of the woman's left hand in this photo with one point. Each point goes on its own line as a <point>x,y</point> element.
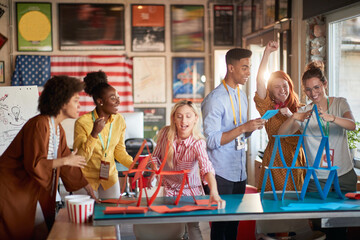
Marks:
<point>325,116</point>
<point>216,198</point>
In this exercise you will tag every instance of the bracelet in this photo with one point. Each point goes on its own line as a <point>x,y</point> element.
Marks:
<point>334,119</point>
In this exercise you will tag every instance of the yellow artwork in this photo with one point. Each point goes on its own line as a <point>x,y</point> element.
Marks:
<point>34,26</point>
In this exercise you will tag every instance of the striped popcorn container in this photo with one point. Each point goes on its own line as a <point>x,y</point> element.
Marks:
<point>72,197</point>
<point>81,210</point>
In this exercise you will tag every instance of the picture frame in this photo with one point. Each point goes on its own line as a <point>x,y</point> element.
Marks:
<point>223,25</point>
<point>2,72</point>
<point>3,40</point>
<point>283,10</point>
<point>258,11</point>
<point>91,26</point>
<point>187,28</point>
<point>246,17</point>
<point>149,79</point>
<point>154,120</point>
<point>34,27</point>
<point>148,28</point>
<point>188,74</point>
<point>269,12</point>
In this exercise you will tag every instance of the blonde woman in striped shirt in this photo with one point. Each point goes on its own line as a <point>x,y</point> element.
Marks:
<point>187,151</point>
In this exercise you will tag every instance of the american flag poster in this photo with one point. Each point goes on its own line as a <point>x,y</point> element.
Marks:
<point>36,70</point>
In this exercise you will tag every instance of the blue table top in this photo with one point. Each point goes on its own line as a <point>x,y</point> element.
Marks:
<point>240,207</point>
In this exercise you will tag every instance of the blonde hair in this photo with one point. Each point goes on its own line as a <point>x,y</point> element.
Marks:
<point>171,133</point>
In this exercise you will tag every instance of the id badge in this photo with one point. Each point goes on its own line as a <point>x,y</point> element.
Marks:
<point>239,142</point>
<point>324,163</point>
<point>104,170</point>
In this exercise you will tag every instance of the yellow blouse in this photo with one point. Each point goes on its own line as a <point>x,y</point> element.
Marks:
<point>92,150</point>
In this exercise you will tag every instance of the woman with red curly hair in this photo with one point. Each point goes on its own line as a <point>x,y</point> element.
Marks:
<point>279,94</point>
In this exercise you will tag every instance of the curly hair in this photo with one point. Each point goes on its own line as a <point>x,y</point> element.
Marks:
<point>95,84</point>
<point>293,99</point>
<point>58,91</point>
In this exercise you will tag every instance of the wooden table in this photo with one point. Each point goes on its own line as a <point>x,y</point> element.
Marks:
<point>64,229</point>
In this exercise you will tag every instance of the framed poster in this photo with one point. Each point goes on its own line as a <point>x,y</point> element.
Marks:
<point>269,12</point>
<point>91,26</point>
<point>148,28</point>
<point>246,18</point>
<point>223,25</point>
<point>154,120</point>
<point>2,71</point>
<point>149,79</point>
<point>3,40</point>
<point>283,10</point>
<point>258,14</point>
<point>34,27</point>
<point>187,28</point>
<point>188,79</point>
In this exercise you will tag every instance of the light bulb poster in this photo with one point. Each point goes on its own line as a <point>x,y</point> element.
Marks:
<point>15,111</point>
<point>34,30</point>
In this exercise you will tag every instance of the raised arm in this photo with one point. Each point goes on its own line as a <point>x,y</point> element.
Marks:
<point>260,79</point>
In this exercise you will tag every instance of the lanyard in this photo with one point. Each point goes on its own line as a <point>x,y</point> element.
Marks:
<point>232,103</point>
<point>327,128</point>
<point>54,138</point>
<point>101,140</point>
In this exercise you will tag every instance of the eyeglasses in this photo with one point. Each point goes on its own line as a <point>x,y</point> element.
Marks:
<point>316,89</point>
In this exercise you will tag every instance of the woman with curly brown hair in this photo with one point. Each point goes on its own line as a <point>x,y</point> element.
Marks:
<point>279,94</point>
<point>99,135</point>
<point>32,164</point>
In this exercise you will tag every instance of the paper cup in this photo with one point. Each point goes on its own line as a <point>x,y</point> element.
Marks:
<point>81,210</point>
<point>72,197</point>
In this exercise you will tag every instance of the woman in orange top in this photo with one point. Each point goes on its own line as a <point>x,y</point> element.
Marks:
<point>279,94</point>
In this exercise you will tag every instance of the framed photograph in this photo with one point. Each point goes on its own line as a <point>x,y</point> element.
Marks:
<point>258,11</point>
<point>3,40</point>
<point>34,26</point>
<point>188,79</point>
<point>154,120</point>
<point>223,25</point>
<point>247,17</point>
<point>283,10</point>
<point>269,12</point>
<point>187,28</point>
<point>149,79</point>
<point>2,71</point>
<point>148,28</point>
<point>85,26</point>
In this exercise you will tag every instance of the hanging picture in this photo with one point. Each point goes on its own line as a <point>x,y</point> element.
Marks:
<point>34,27</point>
<point>269,10</point>
<point>88,26</point>
<point>223,25</point>
<point>148,28</point>
<point>2,71</point>
<point>3,40</point>
<point>246,18</point>
<point>149,79</point>
<point>154,120</point>
<point>187,28</point>
<point>188,79</point>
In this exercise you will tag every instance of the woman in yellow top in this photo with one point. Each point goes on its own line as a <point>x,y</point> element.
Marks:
<point>279,94</point>
<point>99,137</point>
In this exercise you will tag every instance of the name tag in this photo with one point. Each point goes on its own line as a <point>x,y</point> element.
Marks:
<point>104,170</point>
<point>240,142</point>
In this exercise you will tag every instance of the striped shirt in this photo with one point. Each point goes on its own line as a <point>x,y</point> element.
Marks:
<point>188,154</point>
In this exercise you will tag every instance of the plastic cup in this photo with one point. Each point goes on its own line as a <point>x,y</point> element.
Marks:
<point>71,197</point>
<point>81,210</point>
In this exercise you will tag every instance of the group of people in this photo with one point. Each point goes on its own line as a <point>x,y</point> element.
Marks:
<point>32,164</point>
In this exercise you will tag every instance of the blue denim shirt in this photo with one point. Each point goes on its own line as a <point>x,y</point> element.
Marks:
<point>218,118</point>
